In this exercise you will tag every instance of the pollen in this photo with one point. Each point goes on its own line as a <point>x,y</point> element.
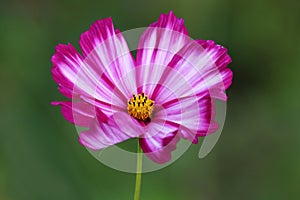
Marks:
<point>140,107</point>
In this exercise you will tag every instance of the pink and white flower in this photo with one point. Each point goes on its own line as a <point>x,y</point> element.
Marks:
<point>163,95</point>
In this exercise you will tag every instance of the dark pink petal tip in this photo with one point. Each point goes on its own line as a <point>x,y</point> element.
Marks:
<point>66,64</point>
<point>98,32</point>
<point>221,59</point>
<point>170,21</point>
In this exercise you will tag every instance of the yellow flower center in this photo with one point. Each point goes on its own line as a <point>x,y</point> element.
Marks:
<point>140,107</point>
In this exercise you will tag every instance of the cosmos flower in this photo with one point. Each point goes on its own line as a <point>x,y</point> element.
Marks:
<point>164,94</point>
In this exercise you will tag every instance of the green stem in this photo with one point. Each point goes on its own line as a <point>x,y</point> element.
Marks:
<point>138,172</point>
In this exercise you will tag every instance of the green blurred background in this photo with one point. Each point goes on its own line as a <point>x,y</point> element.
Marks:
<point>257,156</point>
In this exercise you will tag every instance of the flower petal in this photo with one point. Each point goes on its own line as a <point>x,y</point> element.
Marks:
<point>107,51</point>
<point>99,76</point>
<point>203,74</point>
<point>158,147</point>
<point>78,80</point>
<point>78,113</point>
<point>66,64</point>
<point>158,44</point>
<point>204,65</point>
<point>193,115</point>
<point>107,131</point>
<point>176,101</point>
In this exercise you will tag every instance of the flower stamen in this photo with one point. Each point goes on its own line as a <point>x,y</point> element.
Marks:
<point>140,107</point>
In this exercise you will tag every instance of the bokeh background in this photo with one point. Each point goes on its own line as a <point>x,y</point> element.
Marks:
<point>257,156</point>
